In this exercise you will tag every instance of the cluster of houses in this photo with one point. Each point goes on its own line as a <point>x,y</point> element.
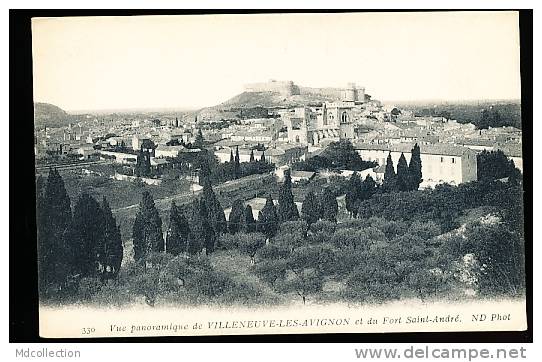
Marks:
<point>287,135</point>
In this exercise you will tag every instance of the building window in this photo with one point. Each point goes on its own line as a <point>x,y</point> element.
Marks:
<point>453,160</point>
<point>442,159</point>
<point>297,139</point>
<point>344,117</point>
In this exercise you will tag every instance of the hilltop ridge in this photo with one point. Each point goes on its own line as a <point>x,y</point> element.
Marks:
<point>49,115</point>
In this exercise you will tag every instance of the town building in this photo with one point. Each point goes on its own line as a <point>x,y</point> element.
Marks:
<point>441,163</point>
<point>163,151</point>
<point>281,154</point>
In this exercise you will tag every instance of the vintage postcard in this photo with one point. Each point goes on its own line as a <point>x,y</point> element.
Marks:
<point>279,173</point>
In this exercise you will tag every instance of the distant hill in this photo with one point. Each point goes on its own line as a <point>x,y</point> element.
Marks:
<point>509,111</point>
<point>49,115</point>
<point>250,100</point>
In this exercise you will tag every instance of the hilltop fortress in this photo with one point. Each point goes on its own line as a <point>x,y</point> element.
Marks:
<point>350,93</point>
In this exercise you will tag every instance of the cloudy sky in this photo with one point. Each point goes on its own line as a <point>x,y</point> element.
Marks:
<point>195,61</point>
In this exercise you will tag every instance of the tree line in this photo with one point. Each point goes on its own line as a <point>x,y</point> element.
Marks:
<point>407,178</point>
<point>85,242</point>
<point>338,155</point>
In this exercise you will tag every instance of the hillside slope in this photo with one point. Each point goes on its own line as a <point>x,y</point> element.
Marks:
<point>49,115</point>
<point>247,100</point>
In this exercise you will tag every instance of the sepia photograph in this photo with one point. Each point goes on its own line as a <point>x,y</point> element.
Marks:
<point>279,173</point>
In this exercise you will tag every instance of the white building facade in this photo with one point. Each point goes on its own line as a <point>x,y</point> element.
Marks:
<point>440,163</point>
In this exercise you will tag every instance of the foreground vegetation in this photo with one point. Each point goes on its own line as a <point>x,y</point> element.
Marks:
<point>397,242</point>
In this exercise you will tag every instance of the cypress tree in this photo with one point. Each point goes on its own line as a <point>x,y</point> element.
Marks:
<point>236,167</point>
<point>329,206</point>
<point>139,162</point>
<point>390,178</point>
<point>247,221</point>
<point>178,231</point>
<point>353,192</point>
<point>216,213</point>
<point>208,235</point>
<point>310,210</point>
<point>87,237</point>
<point>262,157</point>
<point>415,169</point>
<point>147,164</point>
<point>402,174</point>
<point>147,229</point>
<point>113,249</point>
<point>204,173</point>
<point>232,159</point>
<point>236,213</point>
<point>55,215</point>
<point>195,237</point>
<point>287,209</point>
<point>267,218</point>
<point>251,156</point>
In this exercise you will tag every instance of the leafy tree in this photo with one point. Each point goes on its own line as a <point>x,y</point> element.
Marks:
<point>368,188</point>
<point>402,174</point>
<point>490,118</point>
<point>494,165</point>
<point>297,228</point>
<point>352,240</point>
<point>248,224</point>
<point>305,278</point>
<point>312,164</point>
<point>250,243</point>
<point>54,218</point>
<point>352,197</point>
<point>199,142</point>
<point>236,213</point>
<point>342,154</point>
<point>267,218</point>
<point>415,169</point>
<point>287,209</point>
<point>178,231</point>
<point>390,178</point>
<point>147,229</point>
<point>114,249</point>
<point>329,206</point>
<point>272,262</point>
<point>270,270</point>
<point>310,210</point>
<point>292,234</point>
<point>321,231</point>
